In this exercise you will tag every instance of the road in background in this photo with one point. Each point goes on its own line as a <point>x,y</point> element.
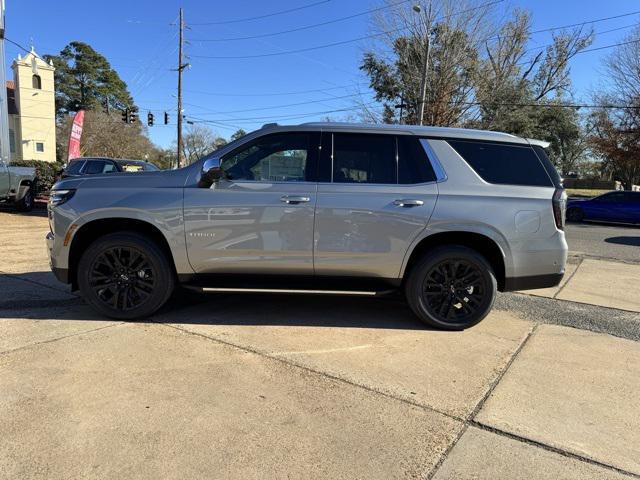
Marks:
<point>605,241</point>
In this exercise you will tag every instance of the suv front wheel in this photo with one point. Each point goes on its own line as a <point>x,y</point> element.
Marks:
<point>125,276</point>
<point>451,288</point>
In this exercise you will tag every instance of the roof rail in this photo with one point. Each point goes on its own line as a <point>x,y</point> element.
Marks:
<point>269,125</point>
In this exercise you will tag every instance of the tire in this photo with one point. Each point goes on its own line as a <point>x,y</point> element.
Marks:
<point>125,276</point>
<point>433,301</point>
<point>575,214</point>
<point>25,204</point>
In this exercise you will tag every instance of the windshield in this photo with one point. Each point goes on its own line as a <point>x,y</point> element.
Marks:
<point>138,167</point>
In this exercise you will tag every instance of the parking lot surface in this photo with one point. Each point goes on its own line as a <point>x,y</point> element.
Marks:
<point>255,386</point>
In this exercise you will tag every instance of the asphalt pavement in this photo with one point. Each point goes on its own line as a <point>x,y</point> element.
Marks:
<point>615,242</point>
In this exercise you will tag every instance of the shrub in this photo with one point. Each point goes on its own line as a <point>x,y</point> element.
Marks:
<point>47,172</point>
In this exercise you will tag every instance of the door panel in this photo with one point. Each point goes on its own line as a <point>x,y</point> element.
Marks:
<point>246,227</point>
<point>362,230</point>
<point>259,217</point>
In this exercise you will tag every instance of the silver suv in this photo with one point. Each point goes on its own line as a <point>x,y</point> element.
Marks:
<point>449,216</point>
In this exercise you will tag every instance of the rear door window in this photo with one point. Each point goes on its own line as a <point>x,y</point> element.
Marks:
<point>364,158</point>
<point>503,163</point>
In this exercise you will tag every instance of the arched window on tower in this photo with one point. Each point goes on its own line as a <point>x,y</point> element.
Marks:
<point>36,82</point>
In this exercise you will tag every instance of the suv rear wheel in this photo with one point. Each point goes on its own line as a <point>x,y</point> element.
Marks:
<point>451,288</point>
<point>125,276</point>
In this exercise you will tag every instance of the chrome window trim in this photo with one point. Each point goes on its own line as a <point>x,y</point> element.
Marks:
<point>438,169</point>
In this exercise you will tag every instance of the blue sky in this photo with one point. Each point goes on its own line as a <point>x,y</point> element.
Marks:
<point>138,39</point>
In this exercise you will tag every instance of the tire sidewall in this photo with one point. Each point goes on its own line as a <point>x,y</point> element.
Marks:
<point>159,263</point>
<point>575,214</point>
<point>25,204</point>
<point>416,278</point>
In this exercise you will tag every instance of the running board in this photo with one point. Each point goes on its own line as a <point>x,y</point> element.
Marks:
<point>296,292</point>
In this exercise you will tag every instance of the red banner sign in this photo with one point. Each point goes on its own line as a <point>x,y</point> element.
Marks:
<point>75,135</point>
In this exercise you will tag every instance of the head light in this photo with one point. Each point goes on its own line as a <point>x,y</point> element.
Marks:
<point>58,197</point>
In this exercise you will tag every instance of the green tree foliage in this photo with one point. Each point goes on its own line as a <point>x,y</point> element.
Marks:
<point>108,136</point>
<point>85,80</point>
<point>238,134</point>
<point>616,131</point>
<point>481,74</point>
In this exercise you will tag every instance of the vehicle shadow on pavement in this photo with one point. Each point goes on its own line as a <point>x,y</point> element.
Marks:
<point>36,212</point>
<point>631,241</point>
<point>38,296</point>
<point>239,309</point>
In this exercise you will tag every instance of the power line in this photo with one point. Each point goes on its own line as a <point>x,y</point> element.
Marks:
<point>273,94</point>
<point>597,20</point>
<point>291,116</point>
<point>334,44</point>
<point>306,27</point>
<point>268,15</point>
<point>273,107</point>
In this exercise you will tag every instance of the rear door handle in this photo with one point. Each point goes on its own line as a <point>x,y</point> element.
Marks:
<point>408,202</point>
<point>293,199</point>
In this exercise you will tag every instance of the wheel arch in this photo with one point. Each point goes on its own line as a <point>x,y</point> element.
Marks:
<point>479,242</point>
<point>90,231</point>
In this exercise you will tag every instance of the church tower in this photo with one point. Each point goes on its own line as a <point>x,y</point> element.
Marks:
<point>34,122</point>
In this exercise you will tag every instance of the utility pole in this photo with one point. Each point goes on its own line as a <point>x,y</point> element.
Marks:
<point>181,67</point>
<point>425,67</point>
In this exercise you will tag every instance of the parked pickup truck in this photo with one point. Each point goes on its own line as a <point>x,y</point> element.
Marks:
<point>17,186</point>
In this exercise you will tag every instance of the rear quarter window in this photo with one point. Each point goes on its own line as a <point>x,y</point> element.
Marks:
<point>503,164</point>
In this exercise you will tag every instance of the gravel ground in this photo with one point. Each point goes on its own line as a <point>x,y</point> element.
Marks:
<point>615,322</point>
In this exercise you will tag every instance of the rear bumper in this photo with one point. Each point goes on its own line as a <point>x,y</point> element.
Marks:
<point>532,282</point>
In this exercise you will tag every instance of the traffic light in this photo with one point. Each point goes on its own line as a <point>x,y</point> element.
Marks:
<point>166,118</point>
<point>133,115</point>
<point>150,119</point>
<point>125,115</point>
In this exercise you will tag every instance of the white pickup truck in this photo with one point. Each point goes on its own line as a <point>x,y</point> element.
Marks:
<point>17,186</point>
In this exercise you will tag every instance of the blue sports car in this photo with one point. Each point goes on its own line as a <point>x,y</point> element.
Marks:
<point>618,207</point>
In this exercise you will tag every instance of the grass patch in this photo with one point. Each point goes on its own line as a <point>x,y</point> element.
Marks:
<point>585,192</point>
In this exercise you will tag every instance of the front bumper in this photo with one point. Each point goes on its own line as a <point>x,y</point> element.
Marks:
<point>62,274</point>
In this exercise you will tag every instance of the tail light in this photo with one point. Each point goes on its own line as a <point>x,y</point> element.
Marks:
<point>559,207</point>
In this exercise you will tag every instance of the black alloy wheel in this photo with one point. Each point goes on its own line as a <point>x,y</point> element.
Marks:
<point>122,278</point>
<point>452,288</point>
<point>125,276</point>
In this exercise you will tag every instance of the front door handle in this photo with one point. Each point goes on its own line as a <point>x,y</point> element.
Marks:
<point>408,202</point>
<point>294,199</point>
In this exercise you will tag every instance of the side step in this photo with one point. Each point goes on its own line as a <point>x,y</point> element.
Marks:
<point>297,291</point>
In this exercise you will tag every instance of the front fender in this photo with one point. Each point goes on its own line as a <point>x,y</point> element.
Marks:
<point>163,210</point>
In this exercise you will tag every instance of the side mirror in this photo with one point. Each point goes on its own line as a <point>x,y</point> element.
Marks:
<point>211,172</point>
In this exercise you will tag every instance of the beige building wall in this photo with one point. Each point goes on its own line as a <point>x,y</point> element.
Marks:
<point>35,124</point>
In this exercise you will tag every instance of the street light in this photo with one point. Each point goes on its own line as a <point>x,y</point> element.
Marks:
<point>425,68</point>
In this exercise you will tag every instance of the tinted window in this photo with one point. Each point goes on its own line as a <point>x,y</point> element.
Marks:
<point>74,167</point>
<point>281,157</point>
<point>364,158</point>
<point>612,197</point>
<point>504,164</point>
<point>413,163</point>
<point>97,166</point>
<point>548,165</point>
